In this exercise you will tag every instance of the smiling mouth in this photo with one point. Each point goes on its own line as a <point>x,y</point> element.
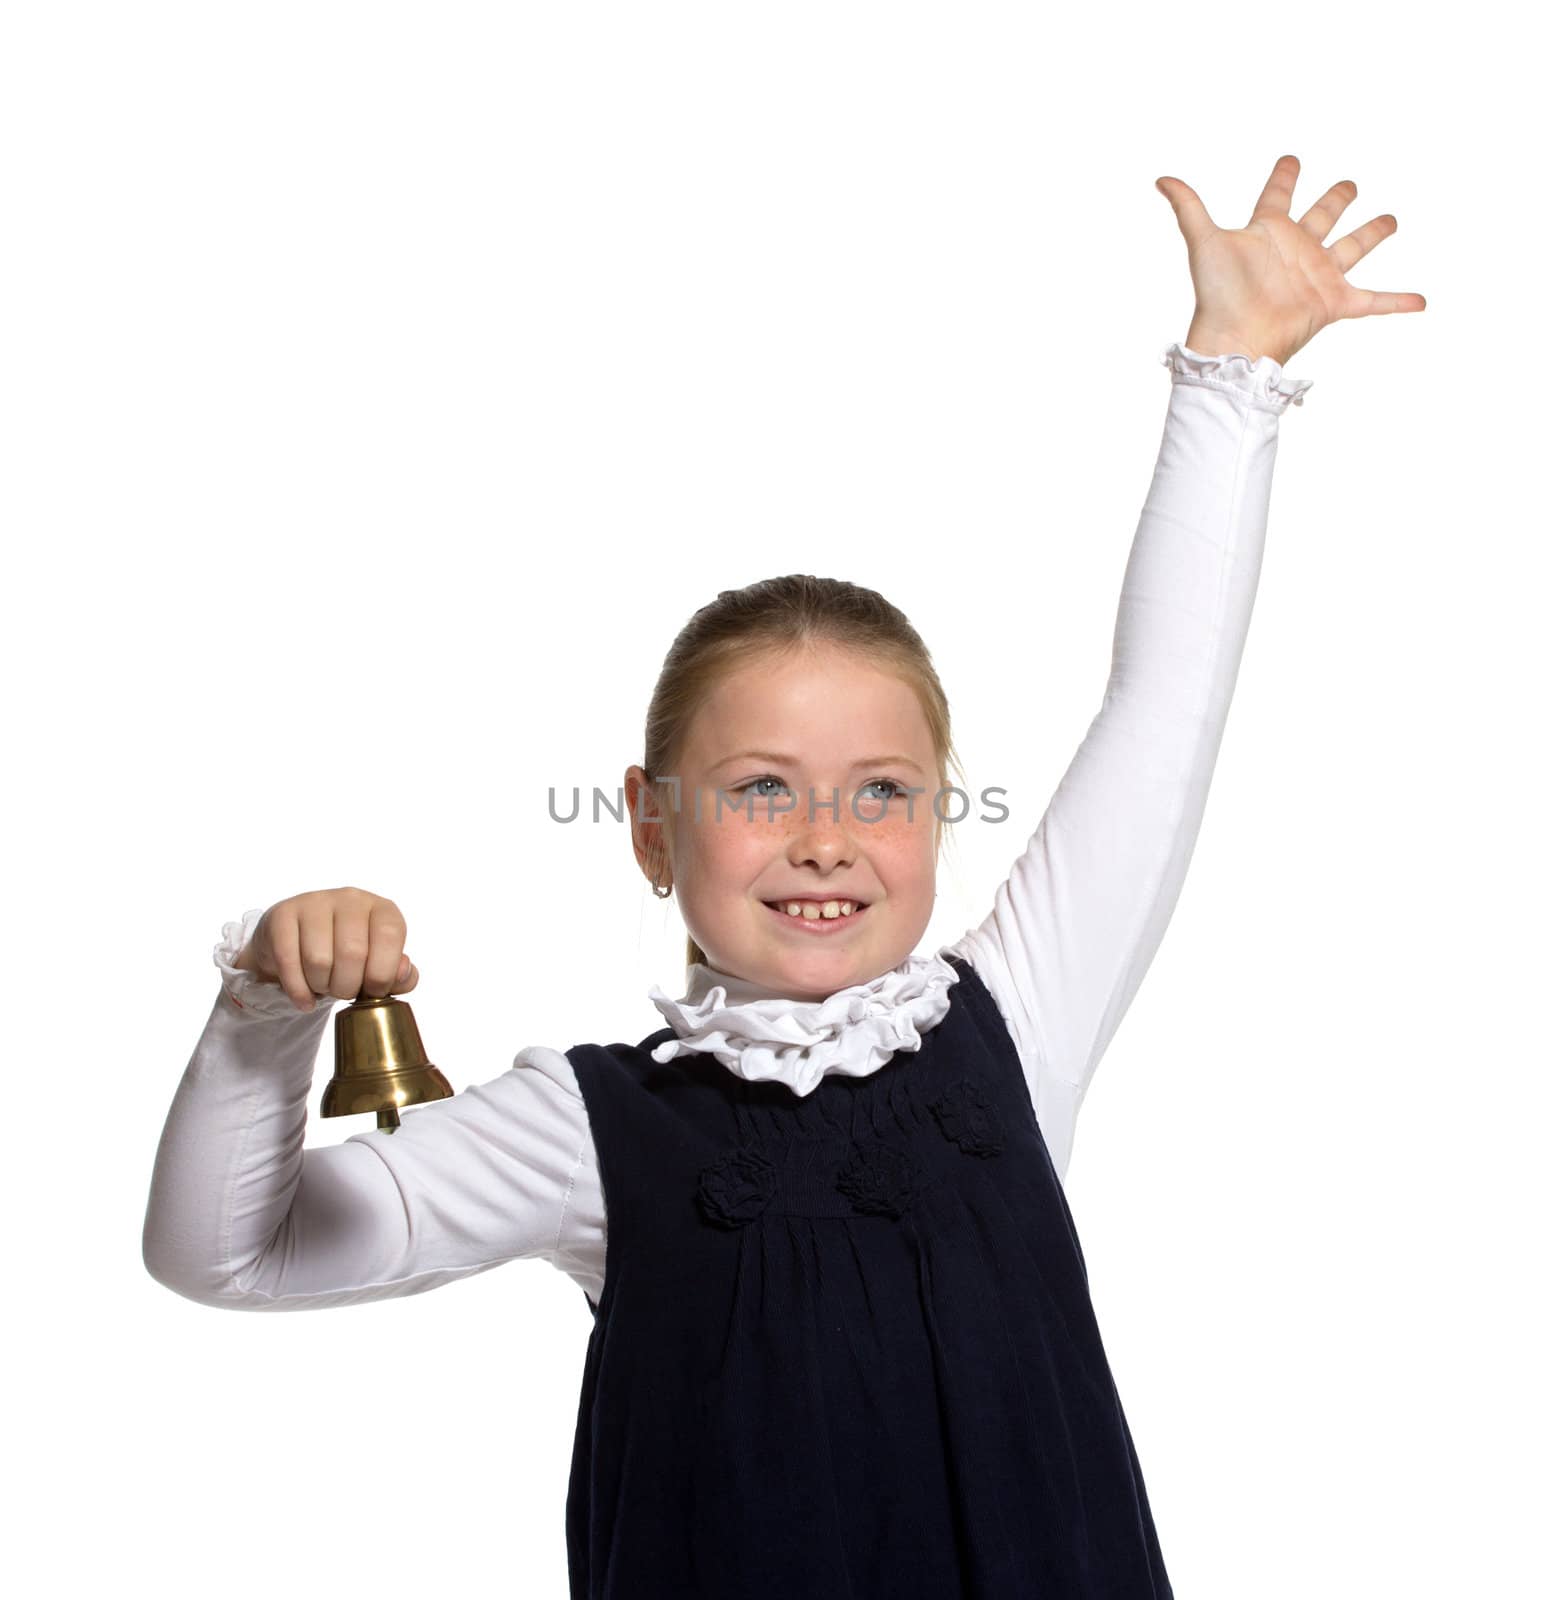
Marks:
<point>812,918</point>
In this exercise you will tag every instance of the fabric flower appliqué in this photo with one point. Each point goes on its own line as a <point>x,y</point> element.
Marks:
<point>736,1187</point>
<point>969,1119</point>
<point>880,1179</point>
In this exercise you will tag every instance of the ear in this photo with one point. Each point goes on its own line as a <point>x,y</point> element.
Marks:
<point>648,834</point>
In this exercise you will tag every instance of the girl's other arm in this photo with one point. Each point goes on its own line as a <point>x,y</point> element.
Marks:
<point>1075,924</point>
<point>241,1216</point>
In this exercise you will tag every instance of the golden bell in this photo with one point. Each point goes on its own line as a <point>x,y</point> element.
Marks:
<point>379,1062</point>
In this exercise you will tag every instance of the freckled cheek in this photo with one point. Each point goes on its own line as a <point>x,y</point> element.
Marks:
<point>724,852</point>
<point>895,829</point>
<point>907,865</point>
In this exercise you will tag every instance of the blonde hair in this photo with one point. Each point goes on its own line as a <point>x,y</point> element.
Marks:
<point>781,616</point>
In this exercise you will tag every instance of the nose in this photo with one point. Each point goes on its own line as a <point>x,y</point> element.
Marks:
<point>822,839</point>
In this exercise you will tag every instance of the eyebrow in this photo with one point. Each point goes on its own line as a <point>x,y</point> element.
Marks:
<point>791,761</point>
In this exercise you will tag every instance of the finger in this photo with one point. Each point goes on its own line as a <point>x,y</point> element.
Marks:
<point>285,939</point>
<point>1194,221</point>
<point>1275,199</point>
<point>1322,217</point>
<point>385,948</point>
<point>317,948</point>
<point>409,980</point>
<point>1380,302</point>
<point>352,943</point>
<point>1346,252</point>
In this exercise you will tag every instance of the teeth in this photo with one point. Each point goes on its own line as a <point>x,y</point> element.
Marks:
<point>812,912</point>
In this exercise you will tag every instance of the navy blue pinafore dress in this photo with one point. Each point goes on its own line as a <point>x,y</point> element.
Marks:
<point>845,1348</point>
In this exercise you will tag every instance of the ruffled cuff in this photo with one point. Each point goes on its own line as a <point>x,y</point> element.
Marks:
<point>246,990</point>
<point>1262,383</point>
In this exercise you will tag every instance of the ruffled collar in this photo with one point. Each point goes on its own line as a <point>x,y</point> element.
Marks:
<point>762,1035</point>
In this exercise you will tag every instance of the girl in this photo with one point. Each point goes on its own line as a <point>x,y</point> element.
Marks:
<point>843,1343</point>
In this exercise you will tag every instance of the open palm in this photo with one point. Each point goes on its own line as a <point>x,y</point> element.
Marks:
<point>1268,287</point>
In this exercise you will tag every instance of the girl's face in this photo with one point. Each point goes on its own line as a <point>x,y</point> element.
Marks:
<point>777,739</point>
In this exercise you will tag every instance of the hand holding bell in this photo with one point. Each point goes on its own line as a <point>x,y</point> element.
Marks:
<point>349,943</point>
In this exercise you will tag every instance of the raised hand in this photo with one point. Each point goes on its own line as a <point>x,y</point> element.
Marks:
<point>1268,287</point>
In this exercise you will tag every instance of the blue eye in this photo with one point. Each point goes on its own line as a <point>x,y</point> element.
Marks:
<point>896,788</point>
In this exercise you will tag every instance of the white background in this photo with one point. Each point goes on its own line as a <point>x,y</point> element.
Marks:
<point>384,386</point>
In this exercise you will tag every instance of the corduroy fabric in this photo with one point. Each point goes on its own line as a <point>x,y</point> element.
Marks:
<point>845,1346</point>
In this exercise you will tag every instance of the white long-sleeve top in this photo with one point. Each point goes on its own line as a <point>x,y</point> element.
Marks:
<point>241,1215</point>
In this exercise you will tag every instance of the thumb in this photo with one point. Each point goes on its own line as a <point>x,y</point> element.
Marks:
<point>1193,219</point>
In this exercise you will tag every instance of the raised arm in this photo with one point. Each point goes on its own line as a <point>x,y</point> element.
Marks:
<point>1076,922</point>
<point>241,1216</point>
